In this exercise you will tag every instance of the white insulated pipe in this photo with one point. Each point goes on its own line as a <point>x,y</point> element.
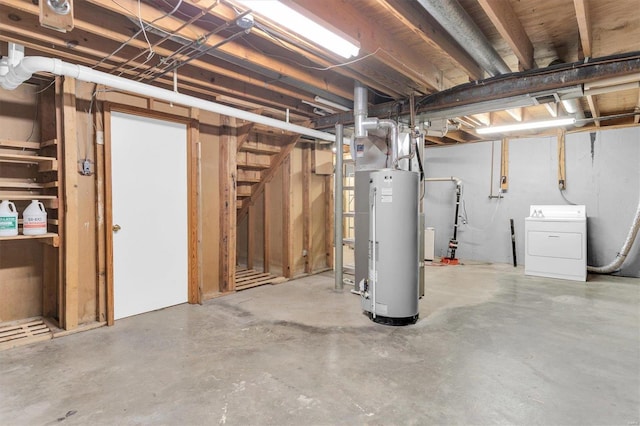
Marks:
<point>20,73</point>
<point>626,247</point>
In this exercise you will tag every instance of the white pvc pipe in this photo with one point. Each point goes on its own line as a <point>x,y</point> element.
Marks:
<point>458,181</point>
<point>626,247</point>
<point>34,64</point>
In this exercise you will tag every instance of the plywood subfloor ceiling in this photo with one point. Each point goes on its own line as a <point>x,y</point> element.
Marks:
<point>405,52</point>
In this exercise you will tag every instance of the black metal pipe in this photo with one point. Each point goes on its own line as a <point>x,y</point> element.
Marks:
<point>513,243</point>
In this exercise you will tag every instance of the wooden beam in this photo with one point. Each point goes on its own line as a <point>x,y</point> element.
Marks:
<point>593,107</point>
<point>562,178</point>
<point>306,209</point>
<point>72,227</point>
<point>267,228</point>
<point>504,165</point>
<point>236,50</point>
<point>432,33</point>
<point>287,242</point>
<point>510,28</point>
<point>584,25</point>
<point>228,168</point>
<point>376,40</point>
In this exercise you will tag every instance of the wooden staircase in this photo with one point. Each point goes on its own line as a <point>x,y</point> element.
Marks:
<point>260,154</point>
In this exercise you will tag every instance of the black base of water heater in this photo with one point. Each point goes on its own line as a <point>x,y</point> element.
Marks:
<point>393,321</point>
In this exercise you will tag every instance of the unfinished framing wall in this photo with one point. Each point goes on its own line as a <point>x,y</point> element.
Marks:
<point>289,221</point>
<point>286,231</point>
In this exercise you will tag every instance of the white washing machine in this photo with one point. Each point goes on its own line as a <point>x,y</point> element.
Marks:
<point>556,242</point>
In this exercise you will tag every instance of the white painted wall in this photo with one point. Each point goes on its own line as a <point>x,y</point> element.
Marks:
<point>605,177</point>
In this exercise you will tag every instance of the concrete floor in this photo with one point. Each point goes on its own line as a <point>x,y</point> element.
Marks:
<point>492,347</point>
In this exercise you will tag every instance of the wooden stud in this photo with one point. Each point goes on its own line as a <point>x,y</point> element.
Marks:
<point>251,229</point>
<point>287,242</point>
<point>504,165</point>
<point>228,169</point>
<point>51,129</point>
<point>193,170</point>
<point>306,209</point>
<point>562,178</point>
<point>101,264</point>
<point>72,201</point>
<point>328,220</point>
<point>267,227</point>
<point>108,213</point>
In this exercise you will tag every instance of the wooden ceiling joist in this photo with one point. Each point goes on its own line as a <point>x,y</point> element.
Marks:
<point>236,50</point>
<point>508,25</point>
<point>235,84</point>
<point>357,71</point>
<point>374,40</point>
<point>584,25</point>
<point>429,31</point>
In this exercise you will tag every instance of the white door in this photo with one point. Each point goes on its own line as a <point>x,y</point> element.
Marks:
<point>149,199</point>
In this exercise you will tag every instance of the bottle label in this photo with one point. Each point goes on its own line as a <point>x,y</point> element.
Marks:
<point>8,222</point>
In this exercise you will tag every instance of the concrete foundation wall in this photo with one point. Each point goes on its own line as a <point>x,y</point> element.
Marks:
<point>603,174</point>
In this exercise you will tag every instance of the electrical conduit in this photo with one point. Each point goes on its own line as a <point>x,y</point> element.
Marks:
<point>16,75</point>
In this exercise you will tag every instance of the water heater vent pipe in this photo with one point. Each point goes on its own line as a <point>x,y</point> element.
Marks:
<point>363,123</point>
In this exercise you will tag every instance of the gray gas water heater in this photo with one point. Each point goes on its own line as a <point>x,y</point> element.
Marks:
<point>387,224</point>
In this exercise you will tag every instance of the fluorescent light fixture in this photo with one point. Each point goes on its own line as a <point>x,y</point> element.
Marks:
<point>526,126</point>
<point>331,103</point>
<point>305,26</point>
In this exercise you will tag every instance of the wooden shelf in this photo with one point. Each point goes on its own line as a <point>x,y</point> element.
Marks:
<point>45,164</point>
<point>5,143</point>
<point>49,201</point>
<point>49,238</point>
<point>20,183</point>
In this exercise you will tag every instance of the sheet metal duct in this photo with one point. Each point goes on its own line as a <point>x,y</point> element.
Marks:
<point>461,27</point>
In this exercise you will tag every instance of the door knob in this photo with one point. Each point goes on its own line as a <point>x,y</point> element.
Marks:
<point>116,228</point>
